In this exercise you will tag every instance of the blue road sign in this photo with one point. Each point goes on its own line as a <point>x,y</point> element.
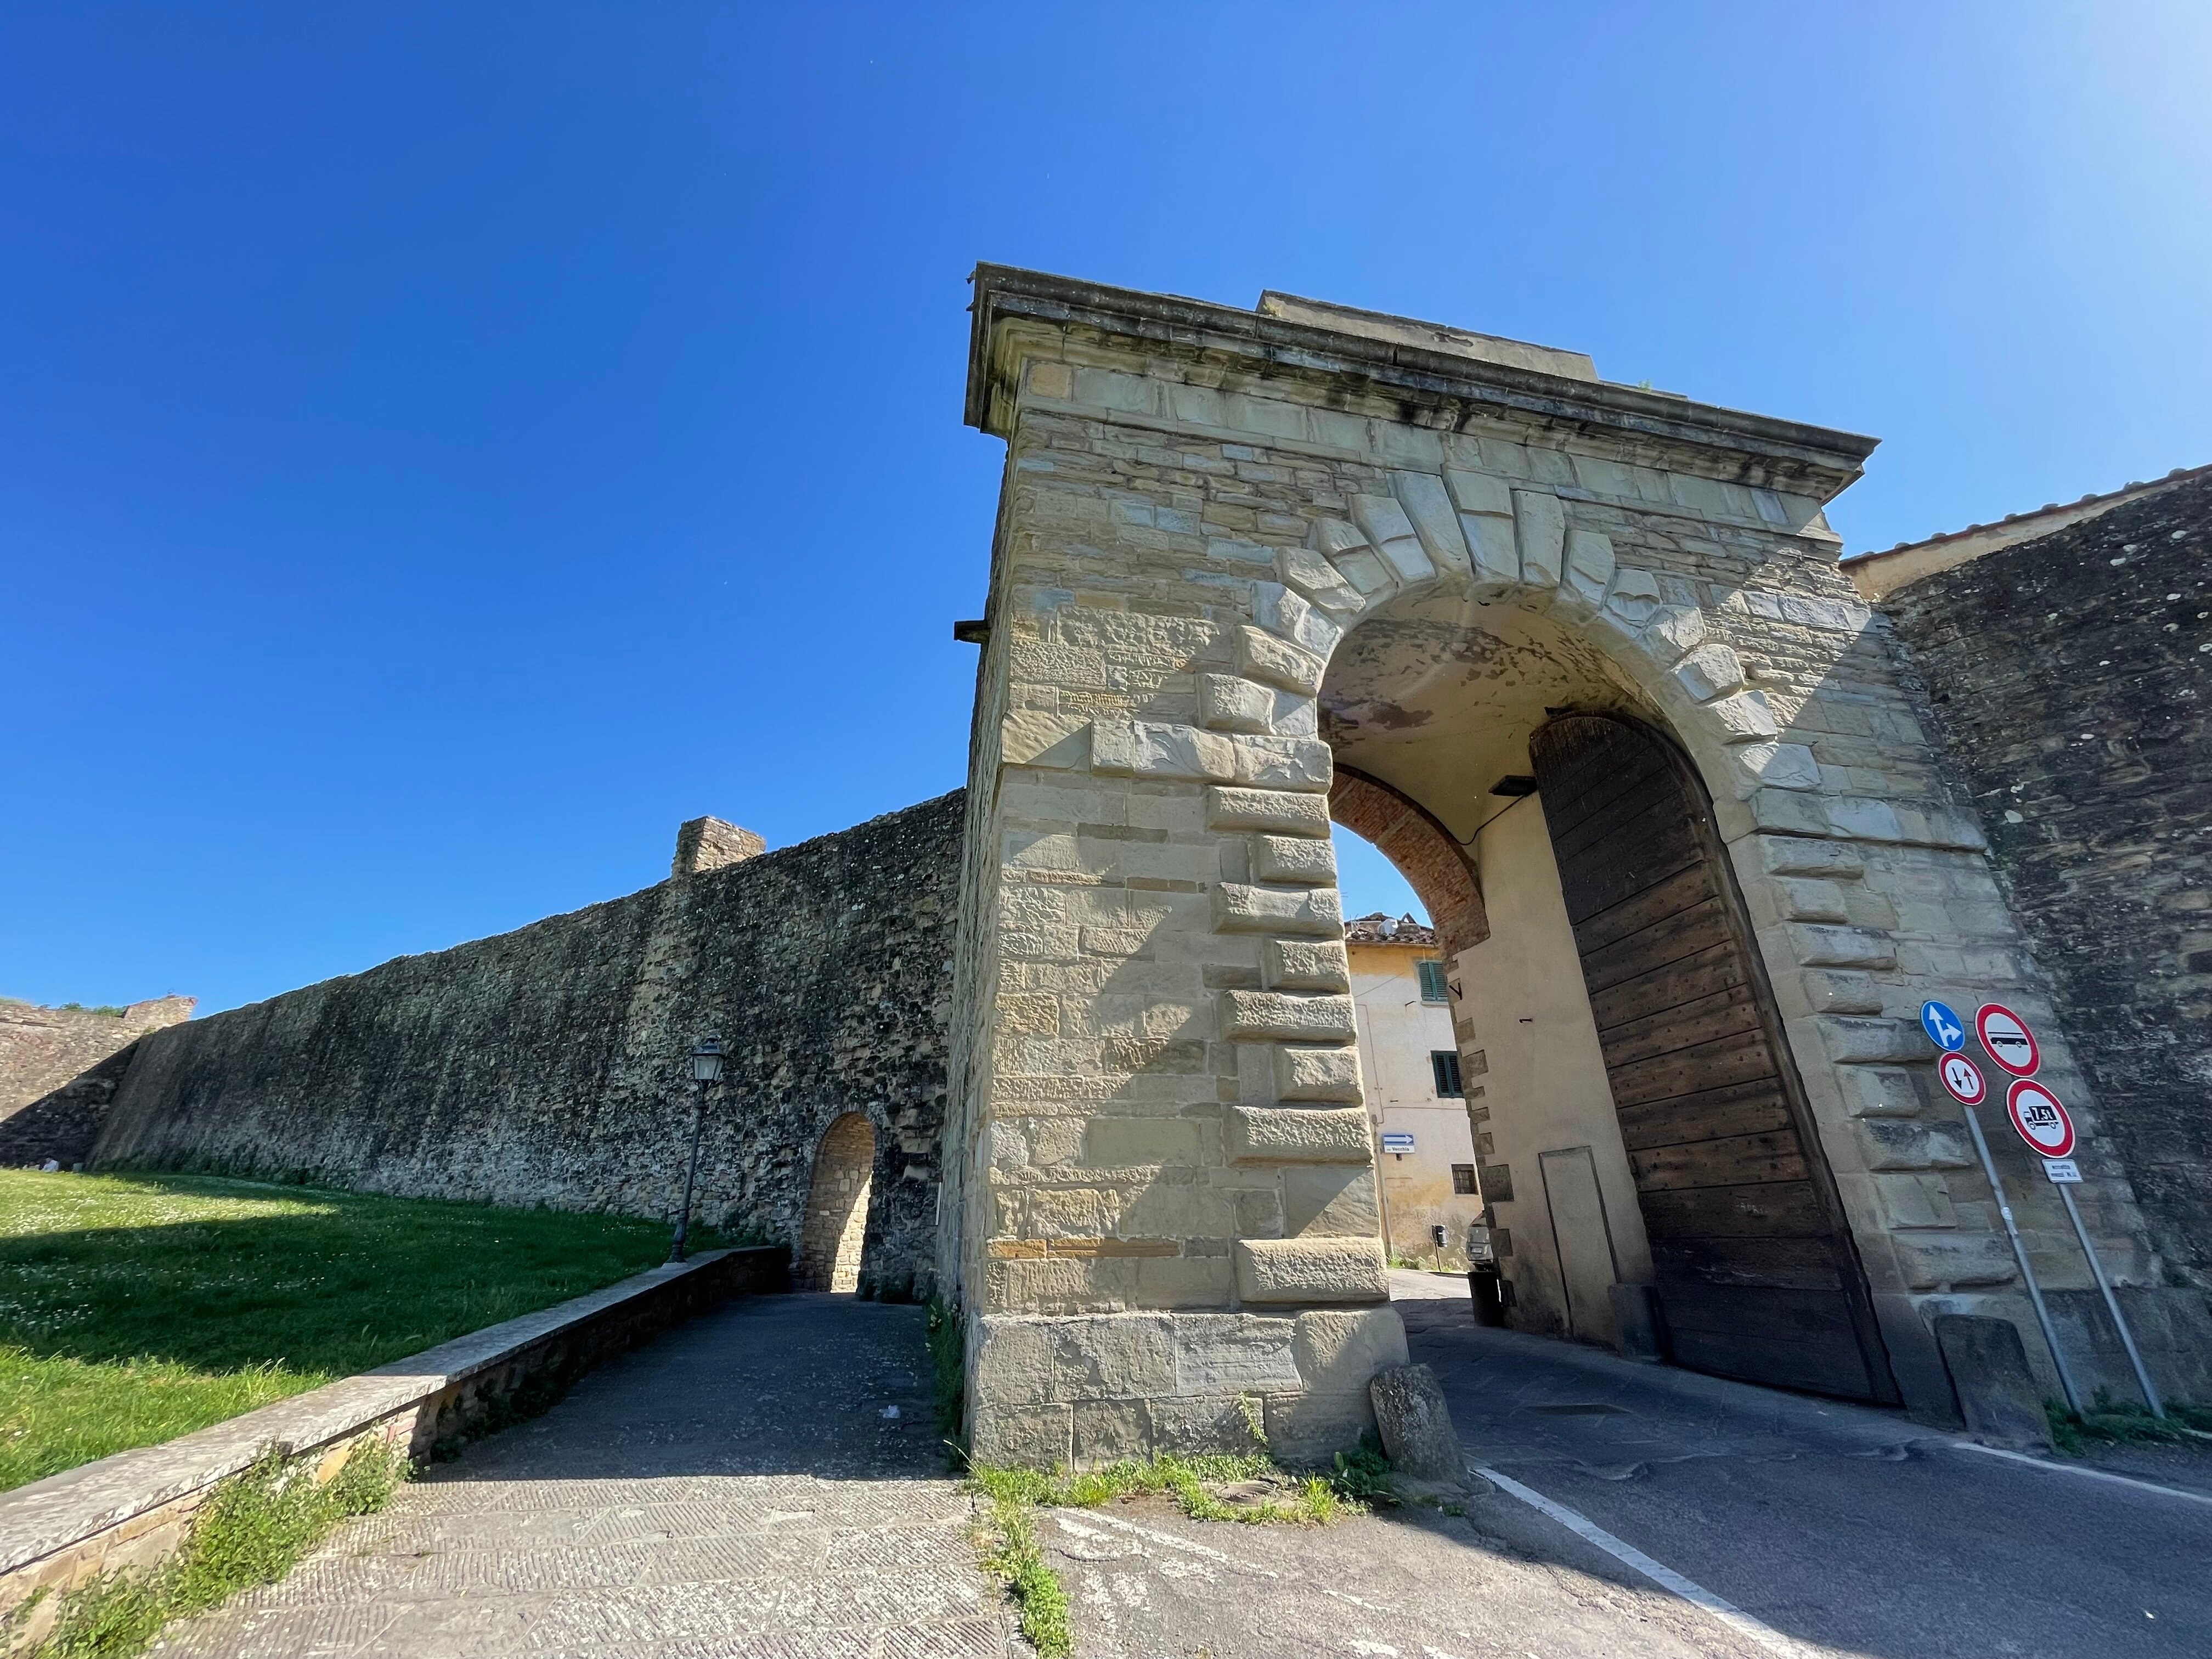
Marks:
<point>1944,1027</point>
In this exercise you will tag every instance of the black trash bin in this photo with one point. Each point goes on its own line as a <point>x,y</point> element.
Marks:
<point>1487,1289</point>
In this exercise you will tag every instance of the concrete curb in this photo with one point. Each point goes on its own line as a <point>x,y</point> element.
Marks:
<point>131,1509</point>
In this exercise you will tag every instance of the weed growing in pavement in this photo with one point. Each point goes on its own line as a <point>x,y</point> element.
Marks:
<point>1362,1474</point>
<point>948,1359</point>
<point>1016,1557</point>
<point>252,1530</point>
<point>2123,1423</point>
<point>1249,1487</point>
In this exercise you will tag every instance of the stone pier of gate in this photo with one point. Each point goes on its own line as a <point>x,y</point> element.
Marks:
<point>1159,1210</point>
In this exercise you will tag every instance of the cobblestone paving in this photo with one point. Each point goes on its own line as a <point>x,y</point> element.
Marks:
<point>733,1491</point>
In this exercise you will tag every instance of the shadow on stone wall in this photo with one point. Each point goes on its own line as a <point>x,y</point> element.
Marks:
<point>60,1068</point>
<point>549,1065</point>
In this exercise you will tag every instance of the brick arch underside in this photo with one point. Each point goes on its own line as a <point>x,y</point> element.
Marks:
<point>838,1207</point>
<point>1434,865</point>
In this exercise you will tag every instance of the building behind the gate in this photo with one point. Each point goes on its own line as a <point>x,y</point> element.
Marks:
<point>1409,1071</point>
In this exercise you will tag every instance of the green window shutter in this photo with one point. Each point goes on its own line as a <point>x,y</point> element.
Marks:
<point>1445,1063</point>
<point>1433,989</point>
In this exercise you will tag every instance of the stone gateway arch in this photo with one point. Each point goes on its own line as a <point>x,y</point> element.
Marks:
<point>1579,657</point>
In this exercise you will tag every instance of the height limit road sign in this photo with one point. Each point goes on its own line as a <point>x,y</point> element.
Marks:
<point>2007,1039</point>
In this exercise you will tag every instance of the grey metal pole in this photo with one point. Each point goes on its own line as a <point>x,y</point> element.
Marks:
<point>2112,1302</point>
<point>691,1175</point>
<point>2027,1272</point>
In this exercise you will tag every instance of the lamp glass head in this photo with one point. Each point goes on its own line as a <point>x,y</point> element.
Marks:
<point>707,1060</point>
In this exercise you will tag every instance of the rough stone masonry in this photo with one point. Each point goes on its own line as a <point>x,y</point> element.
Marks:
<point>60,1068</point>
<point>2068,673</point>
<point>550,1065</point>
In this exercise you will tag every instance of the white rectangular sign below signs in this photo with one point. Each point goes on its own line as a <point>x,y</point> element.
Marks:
<point>1398,1141</point>
<point>2058,1171</point>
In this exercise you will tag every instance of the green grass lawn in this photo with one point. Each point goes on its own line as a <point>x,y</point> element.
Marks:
<point>133,1307</point>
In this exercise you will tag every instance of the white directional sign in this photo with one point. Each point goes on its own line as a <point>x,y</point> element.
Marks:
<point>2007,1039</point>
<point>1398,1141</point>
<point>2061,1172</point>
<point>1963,1078</point>
<point>2041,1119</point>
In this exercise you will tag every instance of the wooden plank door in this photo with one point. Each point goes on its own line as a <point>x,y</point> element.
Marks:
<point>1754,1267</point>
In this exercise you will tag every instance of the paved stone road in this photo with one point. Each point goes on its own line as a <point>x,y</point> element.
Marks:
<point>730,1491</point>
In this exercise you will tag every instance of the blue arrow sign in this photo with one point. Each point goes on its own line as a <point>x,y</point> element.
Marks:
<point>1944,1027</point>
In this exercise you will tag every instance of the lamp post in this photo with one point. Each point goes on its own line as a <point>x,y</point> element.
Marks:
<point>705,1070</point>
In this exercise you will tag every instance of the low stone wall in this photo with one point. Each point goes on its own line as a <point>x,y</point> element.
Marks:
<point>550,1065</point>
<point>132,1510</point>
<point>60,1068</point>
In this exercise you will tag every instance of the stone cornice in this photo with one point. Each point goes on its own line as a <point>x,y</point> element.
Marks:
<point>1436,390</point>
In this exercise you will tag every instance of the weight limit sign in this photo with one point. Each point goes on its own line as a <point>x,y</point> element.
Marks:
<point>2041,1118</point>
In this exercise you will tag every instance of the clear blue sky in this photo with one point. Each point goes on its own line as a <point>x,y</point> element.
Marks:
<point>442,447</point>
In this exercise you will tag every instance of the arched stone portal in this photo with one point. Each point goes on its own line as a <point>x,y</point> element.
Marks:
<point>838,1207</point>
<point>1159,1204</point>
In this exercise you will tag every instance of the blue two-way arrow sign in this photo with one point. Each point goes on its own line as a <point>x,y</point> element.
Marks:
<point>1944,1027</point>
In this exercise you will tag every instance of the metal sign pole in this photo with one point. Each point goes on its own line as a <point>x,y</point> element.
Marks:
<point>2112,1302</point>
<point>2020,1255</point>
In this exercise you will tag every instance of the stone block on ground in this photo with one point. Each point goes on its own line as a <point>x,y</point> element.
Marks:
<point>1415,1424</point>
<point>1997,1391</point>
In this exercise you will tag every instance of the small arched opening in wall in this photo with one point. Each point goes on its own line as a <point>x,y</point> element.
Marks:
<point>838,1207</point>
<point>1640,1141</point>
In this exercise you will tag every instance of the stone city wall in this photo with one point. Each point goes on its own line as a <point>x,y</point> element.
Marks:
<point>550,1065</point>
<point>2070,676</point>
<point>59,1069</point>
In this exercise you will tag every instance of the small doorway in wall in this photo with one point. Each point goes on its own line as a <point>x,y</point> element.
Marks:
<point>838,1207</point>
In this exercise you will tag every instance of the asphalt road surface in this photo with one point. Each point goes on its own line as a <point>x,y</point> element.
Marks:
<point>1848,1528</point>
<point>1753,1523</point>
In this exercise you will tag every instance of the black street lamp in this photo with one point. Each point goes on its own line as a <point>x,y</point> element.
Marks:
<point>705,1070</point>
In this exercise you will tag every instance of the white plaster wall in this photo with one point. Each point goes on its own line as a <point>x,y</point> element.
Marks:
<point>1525,1013</point>
<point>1398,1032</point>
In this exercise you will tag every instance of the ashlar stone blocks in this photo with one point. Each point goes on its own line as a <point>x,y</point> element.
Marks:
<point>1200,504</point>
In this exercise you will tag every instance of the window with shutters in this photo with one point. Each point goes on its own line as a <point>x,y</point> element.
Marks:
<point>1445,1063</point>
<point>1463,1177</point>
<point>1432,981</point>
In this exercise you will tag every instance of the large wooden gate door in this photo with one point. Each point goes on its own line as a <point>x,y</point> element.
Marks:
<point>1755,1270</point>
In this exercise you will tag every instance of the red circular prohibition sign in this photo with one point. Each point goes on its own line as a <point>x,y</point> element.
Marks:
<point>2042,1119</point>
<point>1963,1078</point>
<point>2006,1039</point>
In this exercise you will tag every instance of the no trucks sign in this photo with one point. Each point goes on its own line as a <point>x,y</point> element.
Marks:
<point>2041,1118</point>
